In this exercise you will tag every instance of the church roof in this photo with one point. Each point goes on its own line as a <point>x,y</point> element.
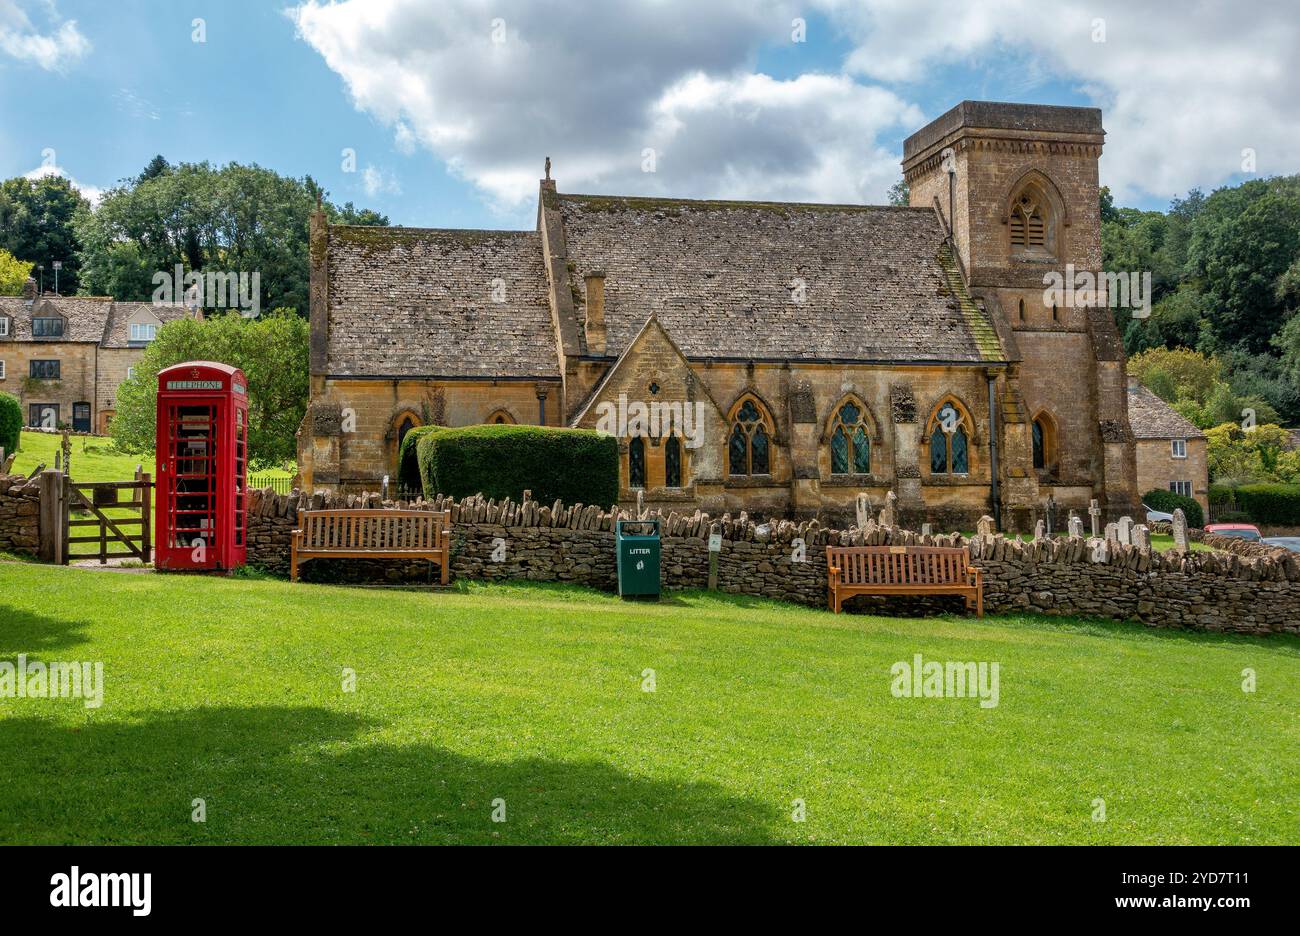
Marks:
<point>419,302</point>
<point>1152,418</point>
<point>724,279</point>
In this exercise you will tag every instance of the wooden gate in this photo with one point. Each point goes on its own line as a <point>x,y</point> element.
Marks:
<point>121,512</point>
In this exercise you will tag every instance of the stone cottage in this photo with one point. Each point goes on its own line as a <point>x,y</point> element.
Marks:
<point>788,356</point>
<point>1171,452</point>
<point>65,356</point>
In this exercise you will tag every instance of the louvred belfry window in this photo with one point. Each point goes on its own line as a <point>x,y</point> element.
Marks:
<point>1028,224</point>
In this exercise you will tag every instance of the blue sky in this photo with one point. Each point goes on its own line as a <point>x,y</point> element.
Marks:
<point>450,127</point>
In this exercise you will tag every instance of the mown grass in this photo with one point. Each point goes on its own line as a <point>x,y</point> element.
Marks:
<point>231,690</point>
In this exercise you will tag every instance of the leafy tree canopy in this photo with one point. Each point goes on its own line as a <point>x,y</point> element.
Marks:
<point>13,274</point>
<point>38,224</point>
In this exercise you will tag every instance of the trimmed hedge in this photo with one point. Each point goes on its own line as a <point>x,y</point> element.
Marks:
<point>572,465</point>
<point>1276,504</point>
<point>1168,501</point>
<point>408,460</point>
<point>11,423</point>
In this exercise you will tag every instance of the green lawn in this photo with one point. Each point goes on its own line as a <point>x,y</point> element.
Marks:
<point>230,690</point>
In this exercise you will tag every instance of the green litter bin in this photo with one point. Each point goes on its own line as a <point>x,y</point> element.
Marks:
<point>638,558</point>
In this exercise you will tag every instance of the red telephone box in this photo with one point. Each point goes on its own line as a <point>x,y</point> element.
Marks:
<point>202,462</point>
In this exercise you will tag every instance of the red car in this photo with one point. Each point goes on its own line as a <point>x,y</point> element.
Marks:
<point>1238,530</point>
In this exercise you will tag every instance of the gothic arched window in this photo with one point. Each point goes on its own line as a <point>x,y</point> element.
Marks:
<point>949,440</point>
<point>1042,433</point>
<point>850,440</point>
<point>636,462</point>
<point>672,462</point>
<point>749,446</point>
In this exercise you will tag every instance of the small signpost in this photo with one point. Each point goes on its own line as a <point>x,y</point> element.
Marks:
<point>715,547</point>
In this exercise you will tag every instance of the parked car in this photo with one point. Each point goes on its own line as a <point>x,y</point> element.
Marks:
<point>1154,515</point>
<point>1286,542</point>
<point>1244,531</point>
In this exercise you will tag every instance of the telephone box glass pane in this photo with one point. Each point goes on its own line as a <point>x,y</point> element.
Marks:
<point>192,507</point>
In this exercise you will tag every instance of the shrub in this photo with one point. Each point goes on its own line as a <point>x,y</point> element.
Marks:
<point>11,423</point>
<point>1277,504</point>
<point>573,465</point>
<point>1168,501</point>
<point>408,461</point>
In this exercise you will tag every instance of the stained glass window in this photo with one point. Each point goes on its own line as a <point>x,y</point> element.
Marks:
<point>673,462</point>
<point>949,443</point>
<point>850,445</point>
<point>749,446</point>
<point>636,463</point>
<point>1040,459</point>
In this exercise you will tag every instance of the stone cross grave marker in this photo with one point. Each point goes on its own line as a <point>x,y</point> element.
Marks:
<point>1094,511</point>
<point>1180,530</point>
<point>927,529</point>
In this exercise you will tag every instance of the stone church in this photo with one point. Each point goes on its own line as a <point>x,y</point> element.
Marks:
<point>824,350</point>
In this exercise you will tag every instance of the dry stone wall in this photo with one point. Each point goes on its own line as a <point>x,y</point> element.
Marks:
<point>20,514</point>
<point>1250,588</point>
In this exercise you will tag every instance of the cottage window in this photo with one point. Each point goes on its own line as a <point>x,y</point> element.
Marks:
<point>43,370</point>
<point>1181,487</point>
<point>1178,448</point>
<point>143,332</point>
<point>47,327</point>
<point>749,445</point>
<point>4,326</point>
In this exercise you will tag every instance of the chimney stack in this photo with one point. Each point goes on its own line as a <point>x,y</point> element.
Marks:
<point>595,326</point>
<point>29,289</point>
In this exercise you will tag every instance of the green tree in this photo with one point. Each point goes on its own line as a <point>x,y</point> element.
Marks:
<point>13,274</point>
<point>232,219</point>
<point>900,193</point>
<point>39,222</point>
<point>271,351</point>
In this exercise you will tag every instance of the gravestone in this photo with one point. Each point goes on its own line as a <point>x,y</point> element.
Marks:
<point>1112,532</point>
<point>863,505</point>
<point>888,515</point>
<point>1180,530</point>
<point>1141,536</point>
<point>1074,525</point>
<point>1094,512</point>
<point>1051,514</point>
<point>1040,528</point>
<point>1126,530</point>
<point>985,526</point>
<point>927,529</point>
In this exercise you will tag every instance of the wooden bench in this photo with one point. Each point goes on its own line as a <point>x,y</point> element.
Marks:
<point>372,534</point>
<point>902,570</point>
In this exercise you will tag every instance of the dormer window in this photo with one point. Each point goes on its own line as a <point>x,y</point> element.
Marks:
<point>4,326</point>
<point>47,326</point>
<point>143,331</point>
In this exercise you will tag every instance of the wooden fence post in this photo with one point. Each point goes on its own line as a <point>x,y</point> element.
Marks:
<point>146,518</point>
<point>51,522</point>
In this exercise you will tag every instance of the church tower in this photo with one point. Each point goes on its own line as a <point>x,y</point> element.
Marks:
<point>1017,185</point>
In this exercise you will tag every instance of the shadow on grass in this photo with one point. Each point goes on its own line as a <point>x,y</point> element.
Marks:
<point>21,631</point>
<point>305,775</point>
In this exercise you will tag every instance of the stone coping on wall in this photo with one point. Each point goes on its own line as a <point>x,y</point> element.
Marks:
<point>1230,558</point>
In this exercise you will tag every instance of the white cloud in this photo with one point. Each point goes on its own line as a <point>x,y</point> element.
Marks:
<point>52,51</point>
<point>377,181</point>
<point>593,87</point>
<point>91,193</point>
<point>1183,91</point>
